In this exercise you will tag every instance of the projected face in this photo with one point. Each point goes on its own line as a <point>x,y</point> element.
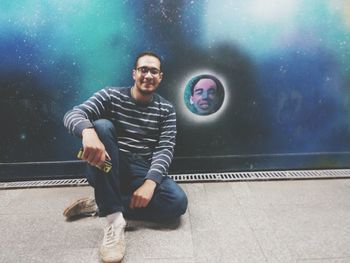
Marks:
<point>206,94</point>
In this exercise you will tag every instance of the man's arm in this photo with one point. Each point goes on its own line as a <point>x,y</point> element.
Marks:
<point>163,152</point>
<point>82,116</point>
<point>143,195</point>
<point>79,122</point>
<point>94,150</point>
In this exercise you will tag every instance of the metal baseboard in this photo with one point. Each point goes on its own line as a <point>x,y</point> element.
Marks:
<point>263,175</point>
<point>202,177</point>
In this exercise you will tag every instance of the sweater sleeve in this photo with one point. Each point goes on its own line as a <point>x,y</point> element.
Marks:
<point>82,116</point>
<point>163,152</point>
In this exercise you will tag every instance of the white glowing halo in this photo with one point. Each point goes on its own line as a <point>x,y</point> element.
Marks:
<point>190,116</point>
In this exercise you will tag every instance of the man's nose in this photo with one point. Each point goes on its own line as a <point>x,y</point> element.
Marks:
<point>148,75</point>
<point>205,95</point>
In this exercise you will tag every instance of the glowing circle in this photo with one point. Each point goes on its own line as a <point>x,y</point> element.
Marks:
<point>204,94</point>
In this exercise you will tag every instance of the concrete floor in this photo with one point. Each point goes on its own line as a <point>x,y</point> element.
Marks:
<point>275,221</point>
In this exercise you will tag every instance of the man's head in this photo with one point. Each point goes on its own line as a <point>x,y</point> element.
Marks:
<point>147,73</point>
<point>204,96</point>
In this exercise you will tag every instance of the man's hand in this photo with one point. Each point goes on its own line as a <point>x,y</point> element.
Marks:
<point>94,150</point>
<point>143,195</point>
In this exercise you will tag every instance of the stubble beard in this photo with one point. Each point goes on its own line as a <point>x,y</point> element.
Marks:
<point>145,91</point>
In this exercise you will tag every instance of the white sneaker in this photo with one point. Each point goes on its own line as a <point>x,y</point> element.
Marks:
<point>113,245</point>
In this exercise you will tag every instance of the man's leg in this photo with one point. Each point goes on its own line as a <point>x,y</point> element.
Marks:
<point>107,185</point>
<point>108,195</point>
<point>169,201</point>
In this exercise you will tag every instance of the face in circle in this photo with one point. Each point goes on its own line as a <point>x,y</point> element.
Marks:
<point>204,98</point>
<point>147,75</point>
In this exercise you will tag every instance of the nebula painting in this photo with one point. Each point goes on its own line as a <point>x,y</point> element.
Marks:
<point>268,77</point>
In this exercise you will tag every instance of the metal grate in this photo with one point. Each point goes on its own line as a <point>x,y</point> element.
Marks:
<point>264,175</point>
<point>43,183</point>
<point>203,177</point>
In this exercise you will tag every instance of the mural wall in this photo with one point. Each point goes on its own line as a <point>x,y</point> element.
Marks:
<point>247,77</point>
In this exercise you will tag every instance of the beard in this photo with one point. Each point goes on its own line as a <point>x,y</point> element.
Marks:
<point>147,88</point>
<point>146,92</point>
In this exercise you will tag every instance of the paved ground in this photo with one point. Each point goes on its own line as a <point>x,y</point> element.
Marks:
<point>280,221</point>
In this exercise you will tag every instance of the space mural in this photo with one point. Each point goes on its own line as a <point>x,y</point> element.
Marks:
<point>247,77</point>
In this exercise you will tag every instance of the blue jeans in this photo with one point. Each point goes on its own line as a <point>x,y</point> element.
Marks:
<point>113,190</point>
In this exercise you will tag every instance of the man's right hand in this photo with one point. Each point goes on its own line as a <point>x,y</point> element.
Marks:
<point>94,150</point>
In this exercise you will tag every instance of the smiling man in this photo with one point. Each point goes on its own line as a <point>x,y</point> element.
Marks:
<point>134,129</point>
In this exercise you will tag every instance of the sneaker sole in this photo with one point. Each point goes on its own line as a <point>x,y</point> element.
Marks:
<point>112,261</point>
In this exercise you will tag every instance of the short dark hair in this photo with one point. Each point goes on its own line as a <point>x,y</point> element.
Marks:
<point>147,53</point>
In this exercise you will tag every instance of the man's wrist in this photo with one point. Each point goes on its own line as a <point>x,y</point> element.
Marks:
<point>150,182</point>
<point>87,130</point>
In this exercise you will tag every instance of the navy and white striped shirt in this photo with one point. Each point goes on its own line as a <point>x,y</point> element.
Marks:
<point>147,130</point>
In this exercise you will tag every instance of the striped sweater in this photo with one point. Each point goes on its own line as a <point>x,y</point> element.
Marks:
<point>147,130</point>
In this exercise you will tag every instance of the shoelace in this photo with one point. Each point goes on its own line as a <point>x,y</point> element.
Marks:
<point>110,236</point>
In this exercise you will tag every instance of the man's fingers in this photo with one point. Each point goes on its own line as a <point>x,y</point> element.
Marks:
<point>86,153</point>
<point>101,158</point>
<point>138,201</point>
<point>107,155</point>
<point>144,202</point>
<point>94,156</point>
<point>98,159</point>
<point>88,156</point>
<point>132,202</point>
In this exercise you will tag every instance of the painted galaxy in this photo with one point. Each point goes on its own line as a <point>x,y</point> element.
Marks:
<point>284,66</point>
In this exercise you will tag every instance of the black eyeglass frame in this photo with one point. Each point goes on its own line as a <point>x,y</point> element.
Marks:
<point>145,70</point>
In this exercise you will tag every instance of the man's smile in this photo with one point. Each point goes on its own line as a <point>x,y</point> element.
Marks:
<point>204,104</point>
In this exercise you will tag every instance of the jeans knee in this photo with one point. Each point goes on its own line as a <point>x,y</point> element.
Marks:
<point>178,206</point>
<point>104,127</point>
<point>182,204</point>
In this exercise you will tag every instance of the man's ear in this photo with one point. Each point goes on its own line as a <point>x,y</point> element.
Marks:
<point>160,76</point>
<point>134,74</point>
<point>191,101</point>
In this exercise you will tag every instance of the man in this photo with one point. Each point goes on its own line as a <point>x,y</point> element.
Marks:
<point>134,128</point>
<point>204,96</point>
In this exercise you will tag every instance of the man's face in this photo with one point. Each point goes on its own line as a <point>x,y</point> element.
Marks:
<point>147,74</point>
<point>204,96</point>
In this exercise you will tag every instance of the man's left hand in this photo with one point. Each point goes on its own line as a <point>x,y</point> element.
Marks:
<point>143,195</point>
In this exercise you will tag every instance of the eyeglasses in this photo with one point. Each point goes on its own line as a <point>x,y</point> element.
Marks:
<point>145,70</point>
